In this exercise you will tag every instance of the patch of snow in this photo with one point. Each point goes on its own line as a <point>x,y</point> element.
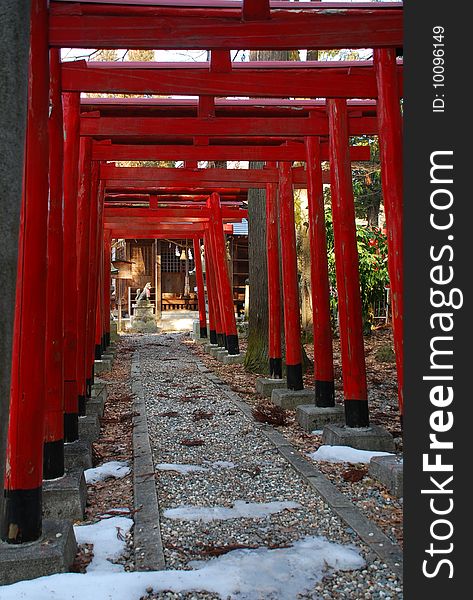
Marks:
<point>240,510</point>
<point>108,538</point>
<point>222,464</point>
<point>183,469</point>
<point>113,468</point>
<point>337,454</point>
<point>317,432</point>
<point>279,574</point>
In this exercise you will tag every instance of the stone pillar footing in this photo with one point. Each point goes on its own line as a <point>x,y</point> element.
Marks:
<point>266,385</point>
<point>65,497</point>
<point>373,437</point>
<point>78,454</point>
<point>221,354</point>
<point>388,470</point>
<point>292,398</point>
<point>102,366</point>
<point>234,359</point>
<point>54,552</point>
<point>89,428</point>
<point>311,417</point>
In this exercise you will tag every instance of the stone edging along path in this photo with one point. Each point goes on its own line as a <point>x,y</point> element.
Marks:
<point>149,554</point>
<point>147,537</point>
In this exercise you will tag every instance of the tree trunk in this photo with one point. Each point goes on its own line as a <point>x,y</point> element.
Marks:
<point>14,48</point>
<point>256,358</point>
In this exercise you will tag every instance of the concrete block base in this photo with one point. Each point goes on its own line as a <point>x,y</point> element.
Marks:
<point>266,385</point>
<point>54,552</point>
<point>77,454</point>
<point>234,359</point>
<point>89,428</point>
<point>102,366</point>
<point>364,438</point>
<point>312,417</point>
<point>214,349</point>
<point>208,347</point>
<point>388,470</point>
<point>65,497</point>
<point>108,356</point>
<point>221,354</point>
<point>291,398</point>
<point>99,390</point>
<point>94,406</point>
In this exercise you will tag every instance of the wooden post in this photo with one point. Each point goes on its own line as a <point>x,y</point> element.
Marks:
<point>14,49</point>
<point>228,310</point>
<point>21,520</point>
<point>274,281</point>
<point>83,245</point>
<point>390,150</point>
<point>71,107</point>
<point>53,465</point>
<point>346,265</point>
<point>92,272</point>
<point>323,350</point>
<point>214,274</point>
<point>214,312</point>
<point>199,277</point>
<point>107,283</point>
<point>292,328</point>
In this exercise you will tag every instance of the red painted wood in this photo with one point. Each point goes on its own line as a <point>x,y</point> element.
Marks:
<point>54,377</point>
<point>323,351</point>
<point>92,288</point>
<point>149,128</point>
<point>71,105</point>
<point>199,276</point>
<point>208,285</point>
<point>107,283</point>
<point>218,28</point>
<point>255,10</point>
<point>346,257</point>
<point>213,284</point>
<point>153,4</point>
<point>390,149</point>
<point>83,244</point>
<point>221,265</point>
<point>290,152</point>
<point>24,461</point>
<point>274,281</point>
<point>300,79</point>
<point>290,284</point>
<point>191,215</point>
<point>172,107</point>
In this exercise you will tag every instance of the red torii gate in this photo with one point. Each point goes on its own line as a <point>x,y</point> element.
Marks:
<point>208,25</point>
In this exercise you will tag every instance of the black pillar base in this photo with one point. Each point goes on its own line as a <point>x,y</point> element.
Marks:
<point>53,459</point>
<point>213,336</point>
<point>324,393</point>
<point>21,517</point>
<point>232,344</point>
<point>203,332</point>
<point>88,386</point>
<point>98,351</point>
<point>221,340</point>
<point>82,406</point>
<point>71,427</point>
<point>275,368</point>
<point>357,413</point>
<point>294,377</point>
<point>107,339</point>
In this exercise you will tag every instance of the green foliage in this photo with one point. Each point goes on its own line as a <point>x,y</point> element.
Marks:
<point>366,177</point>
<point>372,254</point>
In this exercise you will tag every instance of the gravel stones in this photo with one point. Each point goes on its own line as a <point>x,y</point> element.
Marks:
<point>173,384</point>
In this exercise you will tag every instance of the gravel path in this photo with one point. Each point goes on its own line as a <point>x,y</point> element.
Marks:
<point>192,422</point>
